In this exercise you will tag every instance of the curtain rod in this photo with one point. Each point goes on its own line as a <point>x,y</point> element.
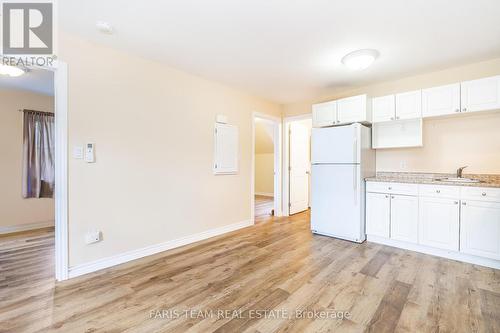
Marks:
<point>35,111</point>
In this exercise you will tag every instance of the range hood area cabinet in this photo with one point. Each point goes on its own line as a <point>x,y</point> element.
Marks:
<point>401,106</point>
<point>356,109</point>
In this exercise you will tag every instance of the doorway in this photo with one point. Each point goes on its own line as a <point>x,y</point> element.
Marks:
<point>27,146</point>
<point>266,175</point>
<point>297,164</point>
<point>58,87</point>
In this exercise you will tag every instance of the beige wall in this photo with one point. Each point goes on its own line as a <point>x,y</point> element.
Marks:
<point>14,210</point>
<point>264,157</point>
<point>448,143</point>
<point>264,174</point>
<point>153,129</point>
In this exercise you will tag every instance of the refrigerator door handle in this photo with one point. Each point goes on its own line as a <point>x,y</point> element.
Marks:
<point>355,150</point>
<point>355,186</point>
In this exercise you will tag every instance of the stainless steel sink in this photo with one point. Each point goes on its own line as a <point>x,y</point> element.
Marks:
<point>458,180</point>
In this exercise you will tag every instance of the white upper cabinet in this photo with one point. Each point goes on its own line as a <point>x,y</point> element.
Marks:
<point>384,108</point>
<point>324,114</point>
<point>481,95</point>
<point>409,105</point>
<point>480,229</point>
<point>353,110</point>
<point>439,101</point>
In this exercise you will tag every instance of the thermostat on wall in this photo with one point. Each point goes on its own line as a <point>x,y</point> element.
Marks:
<point>221,119</point>
<point>90,153</point>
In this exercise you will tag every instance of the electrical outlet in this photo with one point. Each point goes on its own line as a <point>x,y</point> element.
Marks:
<point>93,236</point>
<point>402,165</point>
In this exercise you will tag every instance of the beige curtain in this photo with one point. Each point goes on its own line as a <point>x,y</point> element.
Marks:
<point>38,155</point>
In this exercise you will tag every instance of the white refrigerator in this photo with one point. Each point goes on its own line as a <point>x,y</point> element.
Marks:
<point>341,159</point>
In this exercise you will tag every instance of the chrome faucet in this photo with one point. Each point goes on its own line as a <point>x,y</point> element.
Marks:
<point>460,171</point>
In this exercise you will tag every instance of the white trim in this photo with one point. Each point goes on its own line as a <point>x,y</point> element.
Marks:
<point>436,252</point>
<point>61,170</point>
<point>24,227</point>
<point>286,159</point>
<point>153,249</point>
<point>265,194</point>
<point>278,211</point>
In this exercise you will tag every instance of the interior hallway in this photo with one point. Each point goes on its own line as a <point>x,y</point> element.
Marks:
<point>264,207</point>
<point>267,266</point>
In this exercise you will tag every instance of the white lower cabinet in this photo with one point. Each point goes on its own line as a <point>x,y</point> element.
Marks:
<point>392,216</point>
<point>439,223</point>
<point>461,223</point>
<point>480,229</point>
<point>404,218</point>
<point>378,214</point>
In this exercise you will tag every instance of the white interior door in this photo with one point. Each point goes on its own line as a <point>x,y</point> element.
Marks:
<point>299,167</point>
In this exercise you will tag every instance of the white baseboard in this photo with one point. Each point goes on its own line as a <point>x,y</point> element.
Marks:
<point>25,227</point>
<point>153,249</point>
<point>265,194</point>
<point>492,263</point>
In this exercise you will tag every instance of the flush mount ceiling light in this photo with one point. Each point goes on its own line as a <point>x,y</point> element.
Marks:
<point>11,71</point>
<point>104,27</point>
<point>360,59</point>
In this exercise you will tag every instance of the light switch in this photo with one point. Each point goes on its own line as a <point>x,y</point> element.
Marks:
<point>78,152</point>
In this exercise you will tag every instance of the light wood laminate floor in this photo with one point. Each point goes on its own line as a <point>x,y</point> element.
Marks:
<point>263,208</point>
<point>277,265</point>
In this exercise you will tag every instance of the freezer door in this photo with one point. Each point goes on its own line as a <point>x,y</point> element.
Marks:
<point>336,202</point>
<point>336,144</point>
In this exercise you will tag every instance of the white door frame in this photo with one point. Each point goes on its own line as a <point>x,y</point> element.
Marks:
<point>277,164</point>
<point>60,70</point>
<point>61,171</point>
<point>286,160</point>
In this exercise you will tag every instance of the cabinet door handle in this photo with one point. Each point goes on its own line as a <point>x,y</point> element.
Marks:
<point>392,118</point>
<point>483,194</point>
<point>456,202</point>
<point>387,197</point>
<point>464,203</point>
<point>457,110</point>
<point>390,188</point>
<point>392,197</point>
<point>438,191</point>
<point>397,118</point>
<point>464,110</point>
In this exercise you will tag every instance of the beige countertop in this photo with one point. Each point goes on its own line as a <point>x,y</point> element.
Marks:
<point>430,178</point>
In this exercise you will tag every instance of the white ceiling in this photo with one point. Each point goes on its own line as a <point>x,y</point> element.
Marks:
<point>35,80</point>
<point>290,50</point>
